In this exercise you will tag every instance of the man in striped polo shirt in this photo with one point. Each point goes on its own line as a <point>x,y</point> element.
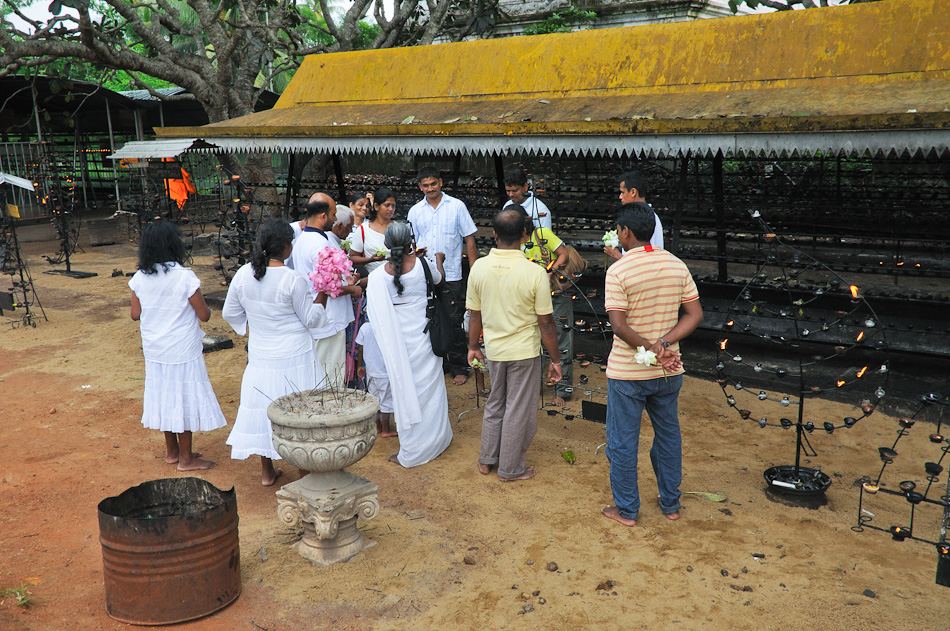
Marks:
<point>644,292</point>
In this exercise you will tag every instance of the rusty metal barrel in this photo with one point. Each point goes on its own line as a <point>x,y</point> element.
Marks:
<point>170,551</point>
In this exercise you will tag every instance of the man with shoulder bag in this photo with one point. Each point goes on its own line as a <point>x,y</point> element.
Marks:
<point>542,246</point>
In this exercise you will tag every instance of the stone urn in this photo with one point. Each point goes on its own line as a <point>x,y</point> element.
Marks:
<point>324,432</point>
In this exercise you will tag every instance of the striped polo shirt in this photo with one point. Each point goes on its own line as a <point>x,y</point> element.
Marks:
<point>649,284</point>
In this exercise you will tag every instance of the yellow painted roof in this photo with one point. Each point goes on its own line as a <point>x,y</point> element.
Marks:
<point>867,68</point>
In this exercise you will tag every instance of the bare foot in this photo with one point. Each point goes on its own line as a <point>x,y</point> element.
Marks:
<point>394,458</point>
<point>484,469</point>
<point>174,459</point>
<point>196,464</point>
<point>460,380</point>
<point>558,402</point>
<point>484,393</point>
<point>270,481</point>
<point>389,434</point>
<point>670,516</point>
<point>611,512</point>
<point>527,475</point>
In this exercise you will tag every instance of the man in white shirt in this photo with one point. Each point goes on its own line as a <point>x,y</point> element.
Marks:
<point>516,186</point>
<point>329,341</point>
<point>632,187</point>
<point>441,223</point>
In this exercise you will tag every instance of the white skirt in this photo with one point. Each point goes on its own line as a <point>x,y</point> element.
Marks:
<point>179,398</point>
<point>264,381</point>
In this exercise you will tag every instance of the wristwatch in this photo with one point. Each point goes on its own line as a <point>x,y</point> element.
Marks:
<point>664,343</point>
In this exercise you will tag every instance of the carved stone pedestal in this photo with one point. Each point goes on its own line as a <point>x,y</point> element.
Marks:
<point>324,432</point>
<point>328,505</point>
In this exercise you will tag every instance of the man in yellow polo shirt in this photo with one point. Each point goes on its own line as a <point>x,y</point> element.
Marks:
<point>644,292</point>
<point>510,297</point>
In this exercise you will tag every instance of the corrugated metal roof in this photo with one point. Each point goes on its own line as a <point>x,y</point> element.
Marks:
<point>145,95</point>
<point>165,148</point>
<point>16,181</point>
<point>853,79</point>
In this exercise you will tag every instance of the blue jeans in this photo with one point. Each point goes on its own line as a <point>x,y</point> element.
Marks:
<point>626,401</point>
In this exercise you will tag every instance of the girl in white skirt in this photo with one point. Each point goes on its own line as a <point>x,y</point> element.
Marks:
<point>372,369</point>
<point>274,301</point>
<point>167,302</point>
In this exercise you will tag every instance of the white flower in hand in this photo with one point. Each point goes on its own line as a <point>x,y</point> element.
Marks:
<point>611,239</point>
<point>645,357</point>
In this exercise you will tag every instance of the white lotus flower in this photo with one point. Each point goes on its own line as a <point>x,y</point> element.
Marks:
<point>645,357</point>
<point>611,239</point>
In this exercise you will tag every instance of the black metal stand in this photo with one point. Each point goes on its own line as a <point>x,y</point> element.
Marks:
<point>67,245</point>
<point>23,294</point>
<point>810,288</point>
<point>909,491</point>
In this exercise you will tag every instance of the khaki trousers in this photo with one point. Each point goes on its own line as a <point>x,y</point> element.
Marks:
<point>511,415</point>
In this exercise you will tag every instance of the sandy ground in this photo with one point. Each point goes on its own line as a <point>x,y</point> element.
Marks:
<point>71,392</point>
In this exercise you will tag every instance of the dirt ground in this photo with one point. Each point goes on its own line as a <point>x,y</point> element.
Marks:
<point>71,392</point>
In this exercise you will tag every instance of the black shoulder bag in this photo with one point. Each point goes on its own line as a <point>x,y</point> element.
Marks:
<point>439,324</point>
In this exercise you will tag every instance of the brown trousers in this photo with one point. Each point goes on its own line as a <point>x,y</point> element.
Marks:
<point>511,415</point>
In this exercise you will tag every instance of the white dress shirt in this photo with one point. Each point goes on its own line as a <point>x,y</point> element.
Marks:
<point>443,229</point>
<point>536,209</point>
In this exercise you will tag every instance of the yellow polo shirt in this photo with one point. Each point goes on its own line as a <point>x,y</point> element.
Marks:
<point>552,243</point>
<point>510,292</point>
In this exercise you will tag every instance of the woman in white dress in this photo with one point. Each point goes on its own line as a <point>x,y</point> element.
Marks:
<point>167,301</point>
<point>368,242</point>
<point>396,301</point>
<point>273,300</point>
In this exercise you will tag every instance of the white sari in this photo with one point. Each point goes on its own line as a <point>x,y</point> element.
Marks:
<point>421,407</point>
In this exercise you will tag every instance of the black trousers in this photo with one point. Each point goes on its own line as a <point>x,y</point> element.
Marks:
<point>453,297</point>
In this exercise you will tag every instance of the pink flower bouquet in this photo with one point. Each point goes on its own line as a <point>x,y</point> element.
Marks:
<point>329,269</point>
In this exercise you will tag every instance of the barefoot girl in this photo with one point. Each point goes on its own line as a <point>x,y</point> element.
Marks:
<point>167,302</point>
<point>275,302</point>
<point>372,369</point>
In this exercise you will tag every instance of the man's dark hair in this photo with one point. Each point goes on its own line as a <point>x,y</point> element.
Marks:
<point>509,226</point>
<point>427,172</point>
<point>633,179</point>
<point>316,207</point>
<point>516,177</point>
<point>639,219</point>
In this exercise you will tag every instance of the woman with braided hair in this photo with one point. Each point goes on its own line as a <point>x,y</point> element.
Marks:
<point>273,300</point>
<point>396,301</point>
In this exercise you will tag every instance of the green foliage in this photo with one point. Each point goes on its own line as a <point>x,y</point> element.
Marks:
<point>21,594</point>
<point>562,22</point>
<point>65,71</point>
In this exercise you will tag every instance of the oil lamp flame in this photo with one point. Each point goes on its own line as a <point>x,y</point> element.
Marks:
<point>840,383</point>
<point>860,336</point>
<point>854,291</point>
<point>861,372</point>
<point>722,344</point>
